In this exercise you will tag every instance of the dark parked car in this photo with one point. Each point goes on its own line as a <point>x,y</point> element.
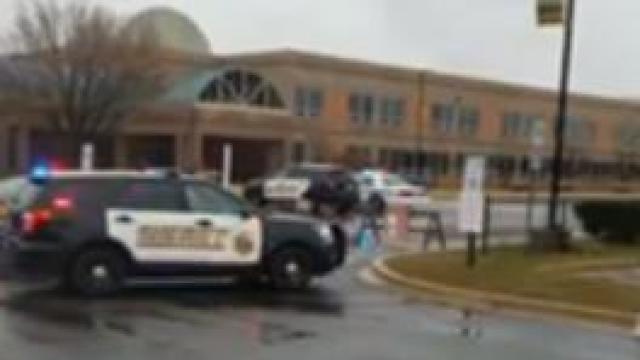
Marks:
<point>320,188</point>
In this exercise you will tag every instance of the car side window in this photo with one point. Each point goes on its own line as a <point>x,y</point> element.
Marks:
<point>366,180</point>
<point>296,173</point>
<point>151,195</point>
<point>208,199</point>
<point>87,195</point>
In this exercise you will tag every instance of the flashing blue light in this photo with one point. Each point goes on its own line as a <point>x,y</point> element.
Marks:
<point>40,172</point>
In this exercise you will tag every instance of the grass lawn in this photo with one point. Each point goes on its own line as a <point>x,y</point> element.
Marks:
<point>558,277</point>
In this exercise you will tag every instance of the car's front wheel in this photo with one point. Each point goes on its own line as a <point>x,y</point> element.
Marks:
<point>291,269</point>
<point>97,272</point>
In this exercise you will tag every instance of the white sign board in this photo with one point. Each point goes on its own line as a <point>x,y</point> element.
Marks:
<point>471,207</point>
<point>227,164</point>
<point>537,146</point>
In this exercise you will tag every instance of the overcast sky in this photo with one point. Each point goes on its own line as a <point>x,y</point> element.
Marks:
<point>494,39</point>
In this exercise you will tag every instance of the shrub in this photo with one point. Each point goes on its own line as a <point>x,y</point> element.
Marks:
<point>610,220</point>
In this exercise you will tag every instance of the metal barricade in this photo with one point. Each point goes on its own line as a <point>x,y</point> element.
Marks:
<point>402,221</point>
<point>428,222</point>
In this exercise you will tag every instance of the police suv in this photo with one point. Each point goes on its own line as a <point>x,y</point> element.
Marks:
<point>97,230</point>
<point>321,188</point>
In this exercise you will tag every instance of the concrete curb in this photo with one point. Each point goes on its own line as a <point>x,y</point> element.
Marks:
<point>512,302</point>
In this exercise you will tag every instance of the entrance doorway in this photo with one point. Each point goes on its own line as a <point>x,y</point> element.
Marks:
<point>251,157</point>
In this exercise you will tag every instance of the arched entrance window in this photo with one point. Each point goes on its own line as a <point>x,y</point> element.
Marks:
<point>242,87</point>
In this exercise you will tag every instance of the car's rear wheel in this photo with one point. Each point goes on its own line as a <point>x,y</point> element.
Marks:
<point>97,272</point>
<point>290,269</point>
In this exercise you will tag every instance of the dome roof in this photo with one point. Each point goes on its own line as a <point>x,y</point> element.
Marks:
<point>174,30</point>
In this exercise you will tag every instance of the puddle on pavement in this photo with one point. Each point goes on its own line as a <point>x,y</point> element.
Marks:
<point>44,308</point>
<point>274,333</point>
<point>113,314</point>
<point>118,327</point>
<point>269,332</point>
<point>470,324</point>
<point>74,314</point>
<point>313,301</point>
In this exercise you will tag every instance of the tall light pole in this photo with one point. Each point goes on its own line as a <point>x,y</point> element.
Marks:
<point>558,153</point>
<point>420,122</point>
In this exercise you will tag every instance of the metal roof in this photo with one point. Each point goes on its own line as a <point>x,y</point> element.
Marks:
<point>189,87</point>
<point>173,29</point>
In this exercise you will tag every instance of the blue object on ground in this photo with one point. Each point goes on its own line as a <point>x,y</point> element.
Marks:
<point>366,240</point>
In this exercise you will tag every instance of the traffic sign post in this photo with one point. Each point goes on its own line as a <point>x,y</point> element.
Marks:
<point>536,154</point>
<point>558,153</point>
<point>471,207</point>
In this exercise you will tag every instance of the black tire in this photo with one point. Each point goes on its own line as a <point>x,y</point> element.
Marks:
<point>97,272</point>
<point>290,269</point>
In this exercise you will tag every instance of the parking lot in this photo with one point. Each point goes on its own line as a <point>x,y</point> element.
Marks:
<point>339,318</point>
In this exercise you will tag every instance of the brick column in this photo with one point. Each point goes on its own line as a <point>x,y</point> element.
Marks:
<point>120,151</point>
<point>288,153</point>
<point>23,153</point>
<point>196,152</point>
<point>4,148</point>
<point>179,151</point>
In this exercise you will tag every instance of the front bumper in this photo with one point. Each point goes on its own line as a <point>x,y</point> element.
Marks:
<point>332,256</point>
<point>29,261</point>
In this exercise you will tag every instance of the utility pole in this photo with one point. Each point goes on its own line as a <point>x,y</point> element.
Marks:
<point>558,153</point>
<point>420,119</point>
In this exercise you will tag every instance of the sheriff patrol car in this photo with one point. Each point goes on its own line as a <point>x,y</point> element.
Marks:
<point>320,188</point>
<point>97,230</point>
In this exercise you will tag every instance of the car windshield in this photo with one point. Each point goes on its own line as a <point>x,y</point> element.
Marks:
<point>392,180</point>
<point>209,198</point>
<point>316,173</point>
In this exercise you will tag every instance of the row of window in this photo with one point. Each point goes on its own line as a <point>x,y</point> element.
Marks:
<point>436,163</point>
<point>309,102</point>
<point>148,195</point>
<point>520,126</point>
<point>367,110</point>
<point>364,109</point>
<point>457,119</point>
<point>627,137</point>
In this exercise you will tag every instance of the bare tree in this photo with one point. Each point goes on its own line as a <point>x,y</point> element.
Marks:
<point>80,68</point>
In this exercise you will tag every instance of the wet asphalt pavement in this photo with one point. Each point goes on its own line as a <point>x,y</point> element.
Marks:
<point>338,319</point>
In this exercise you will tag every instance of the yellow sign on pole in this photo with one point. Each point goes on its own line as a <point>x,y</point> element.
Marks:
<point>550,12</point>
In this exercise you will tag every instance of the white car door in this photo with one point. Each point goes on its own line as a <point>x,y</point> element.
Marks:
<point>366,185</point>
<point>154,221</point>
<point>285,188</point>
<point>238,232</point>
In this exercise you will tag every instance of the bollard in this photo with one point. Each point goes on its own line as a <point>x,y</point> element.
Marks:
<point>397,223</point>
<point>486,227</point>
<point>471,250</point>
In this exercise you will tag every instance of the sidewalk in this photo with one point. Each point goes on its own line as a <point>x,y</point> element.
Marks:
<point>413,243</point>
